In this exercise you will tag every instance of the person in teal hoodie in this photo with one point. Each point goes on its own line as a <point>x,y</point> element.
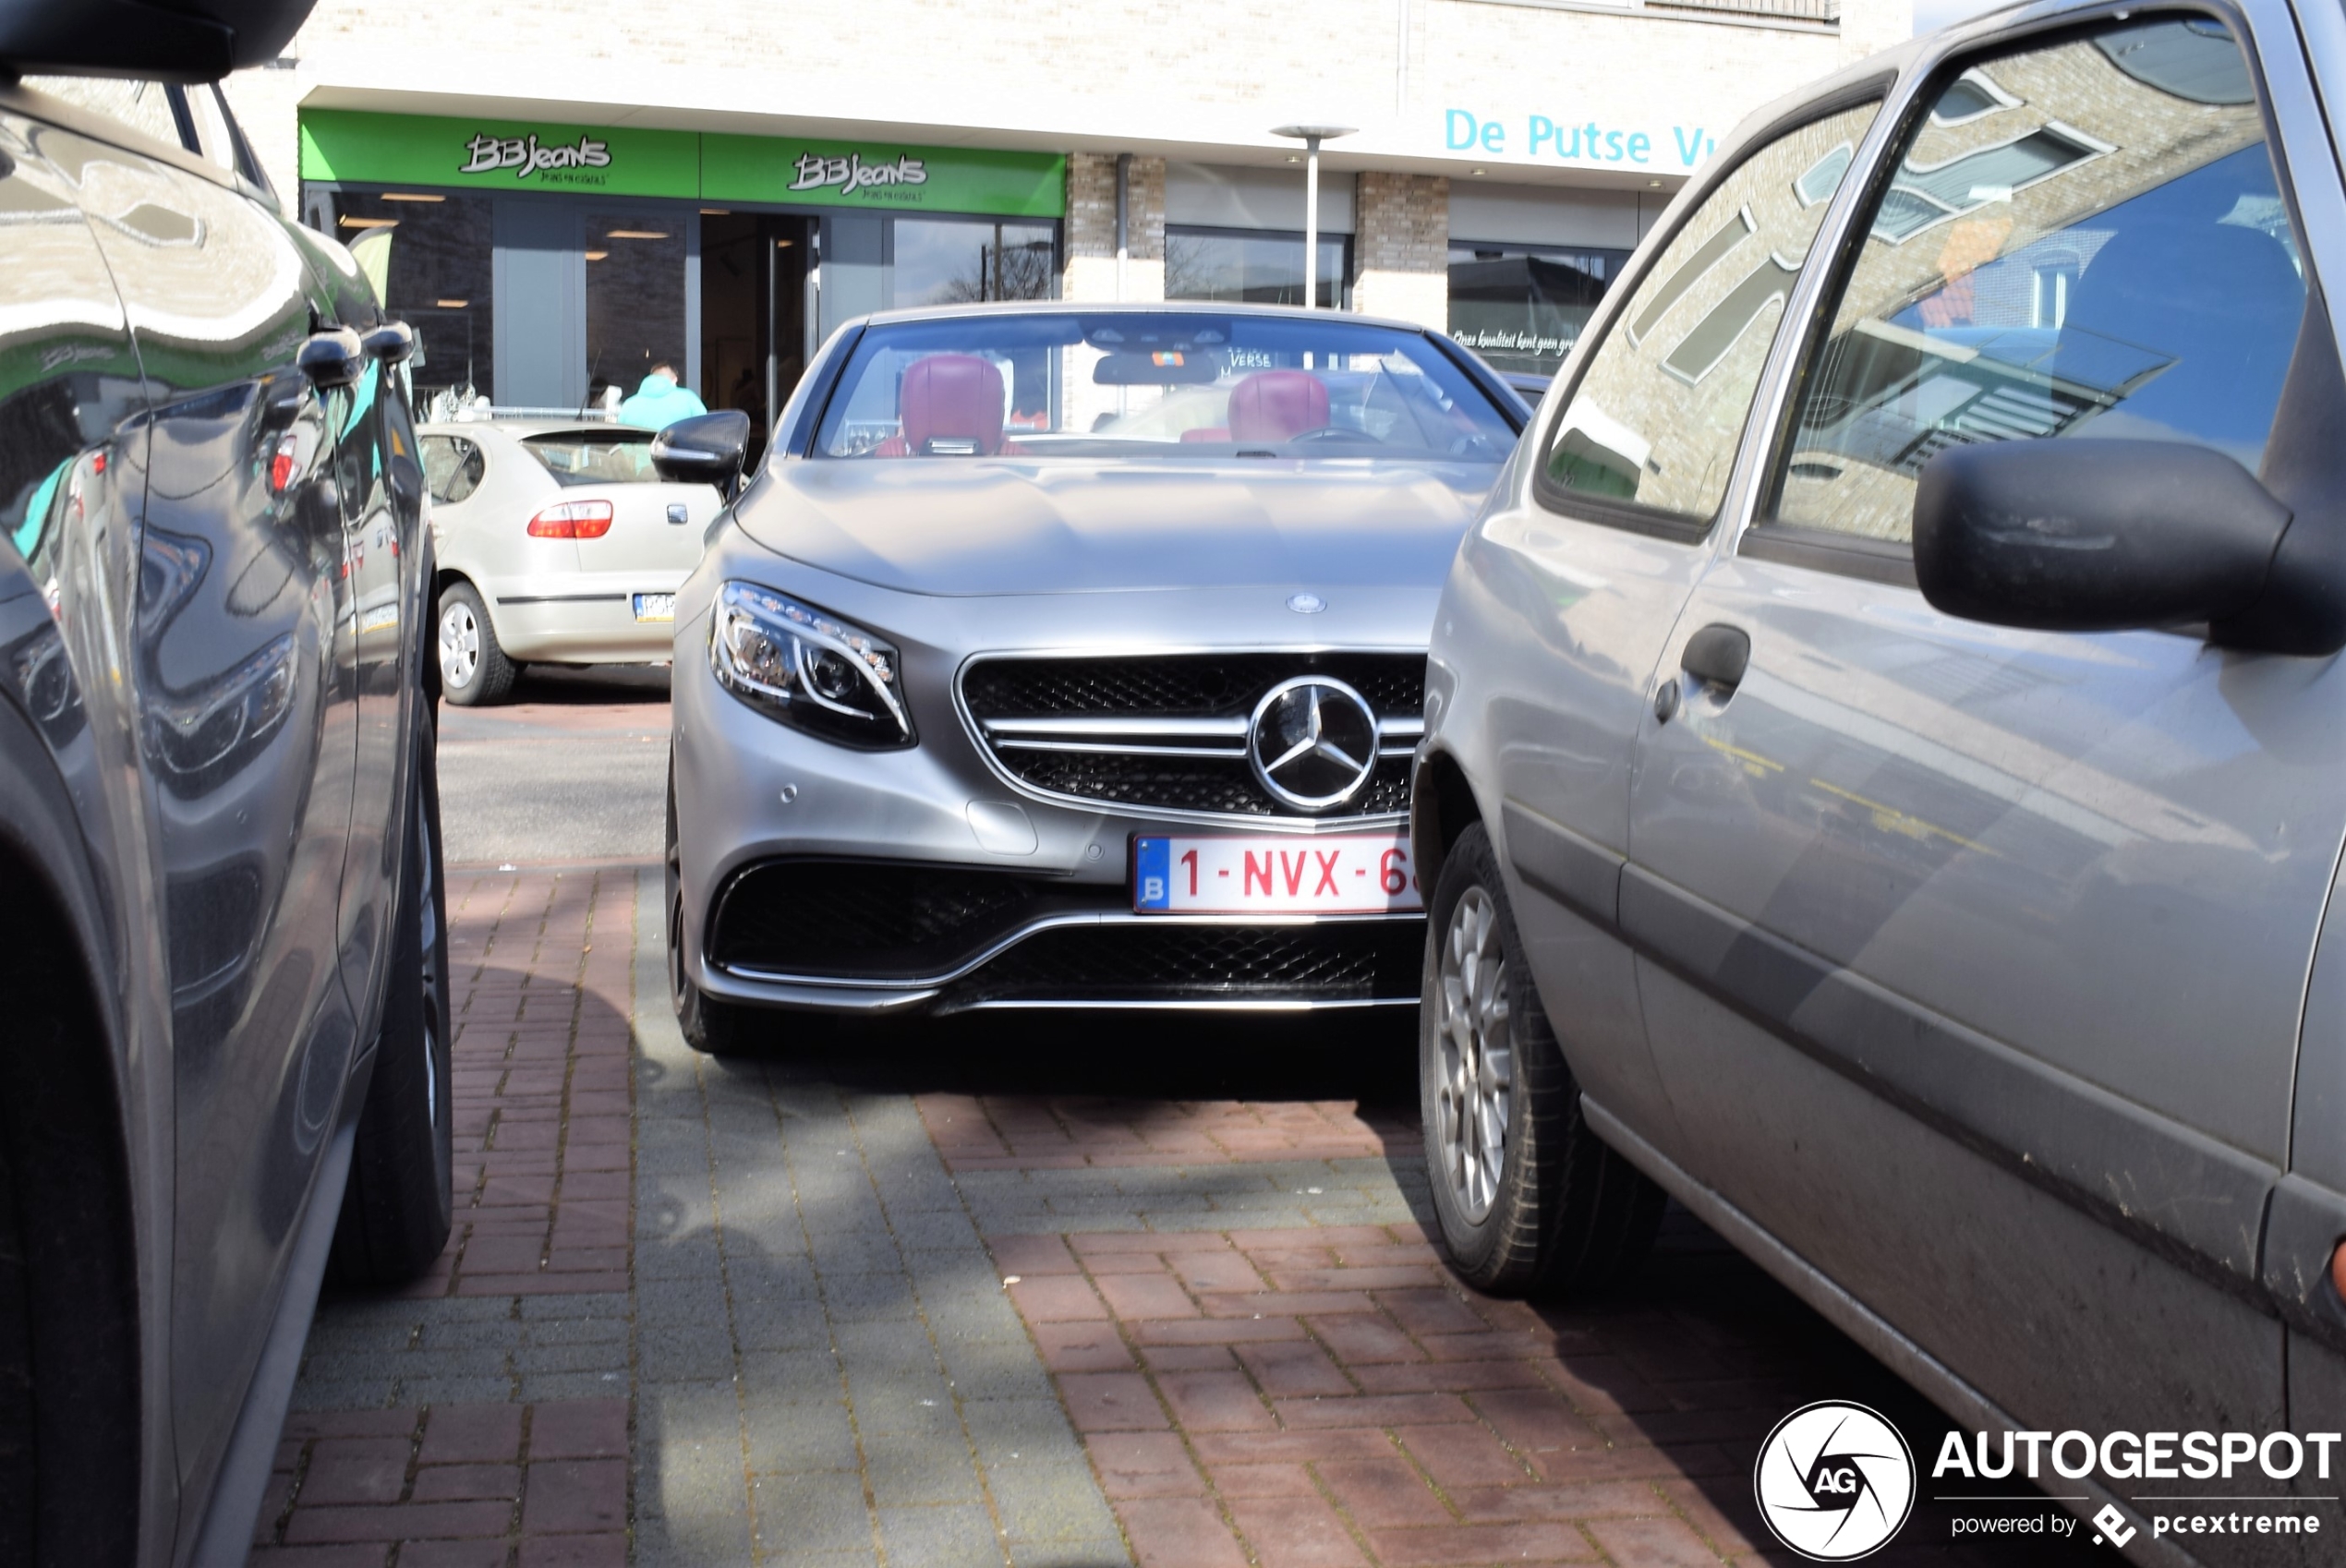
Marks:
<point>660,402</point>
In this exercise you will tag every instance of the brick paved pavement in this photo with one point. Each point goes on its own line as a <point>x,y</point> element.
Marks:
<point>981,1293</point>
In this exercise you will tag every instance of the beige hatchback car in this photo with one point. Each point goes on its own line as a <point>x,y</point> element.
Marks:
<point>558,543</point>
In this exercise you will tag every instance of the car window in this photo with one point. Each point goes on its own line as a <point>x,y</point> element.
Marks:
<point>596,457</point>
<point>1156,386</point>
<point>210,118</point>
<point>1656,417</point>
<point>144,106</point>
<point>452,469</point>
<point>2081,240</point>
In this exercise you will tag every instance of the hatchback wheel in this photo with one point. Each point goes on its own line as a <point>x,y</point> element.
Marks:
<point>473,666</point>
<point>1527,1197</point>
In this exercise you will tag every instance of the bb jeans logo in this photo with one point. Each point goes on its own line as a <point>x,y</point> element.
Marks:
<point>851,173</point>
<point>525,155</point>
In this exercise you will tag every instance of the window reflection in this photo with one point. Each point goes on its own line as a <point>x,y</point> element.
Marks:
<point>1522,308</point>
<point>2082,240</point>
<point>961,263</point>
<point>1250,267</point>
<point>434,257</point>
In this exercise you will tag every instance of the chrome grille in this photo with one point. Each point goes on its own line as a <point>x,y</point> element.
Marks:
<point>1168,732</point>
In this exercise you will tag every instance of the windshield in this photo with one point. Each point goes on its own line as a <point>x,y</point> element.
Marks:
<point>596,457</point>
<point>1132,383</point>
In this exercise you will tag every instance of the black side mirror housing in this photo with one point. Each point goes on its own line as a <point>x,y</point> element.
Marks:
<point>708,448</point>
<point>2100,536</point>
<point>332,358</point>
<point>391,342</point>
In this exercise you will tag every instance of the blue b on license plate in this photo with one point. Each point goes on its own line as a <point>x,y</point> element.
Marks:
<point>655,607</point>
<point>1275,873</point>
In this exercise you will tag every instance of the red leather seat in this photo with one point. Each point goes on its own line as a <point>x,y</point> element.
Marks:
<point>1206,433</point>
<point>1278,405</point>
<point>950,399</point>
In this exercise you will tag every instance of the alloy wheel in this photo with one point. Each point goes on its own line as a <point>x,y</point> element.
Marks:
<point>1477,1043</point>
<point>459,645</point>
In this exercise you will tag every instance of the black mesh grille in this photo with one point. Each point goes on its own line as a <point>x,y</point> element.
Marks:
<point>1184,686</point>
<point>1356,961</point>
<point>871,920</point>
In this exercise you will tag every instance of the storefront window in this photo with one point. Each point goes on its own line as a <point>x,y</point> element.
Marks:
<point>635,301</point>
<point>1238,266</point>
<point>955,263</point>
<point>433,250</point>
<point>1522,308</point>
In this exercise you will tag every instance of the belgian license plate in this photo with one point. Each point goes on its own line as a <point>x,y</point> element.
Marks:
<point>655,607</point>
<point>1268,874</point>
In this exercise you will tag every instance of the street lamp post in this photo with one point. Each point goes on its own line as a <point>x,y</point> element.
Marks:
<point>1311,135</point>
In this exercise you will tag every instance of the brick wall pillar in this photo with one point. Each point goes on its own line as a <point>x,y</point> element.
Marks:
<point>1091,265</point>
<point>1402,248</point>
<point>1090,229</point>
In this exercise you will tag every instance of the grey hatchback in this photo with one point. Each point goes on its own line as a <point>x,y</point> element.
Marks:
<point>1885,764</point>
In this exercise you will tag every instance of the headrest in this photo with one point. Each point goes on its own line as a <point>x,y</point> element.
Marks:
<point>953,397</point>
<point>1276,406</point>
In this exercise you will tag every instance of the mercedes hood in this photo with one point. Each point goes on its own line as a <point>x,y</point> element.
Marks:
<point>1008,526</point>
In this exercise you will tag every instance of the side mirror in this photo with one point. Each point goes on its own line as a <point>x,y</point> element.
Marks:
<point>706,449</point>
<point>391,342</point>
<point>2096,536</point>
<point>332,358</point>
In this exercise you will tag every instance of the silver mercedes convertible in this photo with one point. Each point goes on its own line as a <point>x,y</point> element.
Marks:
<point>1067,656</point>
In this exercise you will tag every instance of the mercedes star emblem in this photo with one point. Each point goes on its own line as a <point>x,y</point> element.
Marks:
<point>1313,742</point>
<point>1306,604</point>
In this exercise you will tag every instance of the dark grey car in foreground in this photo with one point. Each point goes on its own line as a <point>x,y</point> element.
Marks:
<point>226,1063</point>
<point>1888,732</point>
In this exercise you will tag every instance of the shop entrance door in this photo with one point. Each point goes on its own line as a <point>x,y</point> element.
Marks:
<point>753,313</point>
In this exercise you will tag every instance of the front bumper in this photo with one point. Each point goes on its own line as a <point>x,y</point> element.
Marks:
<point>953,938</point>
<point>814,876</point>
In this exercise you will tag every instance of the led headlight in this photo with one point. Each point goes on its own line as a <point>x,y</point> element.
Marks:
<point>795,663</point>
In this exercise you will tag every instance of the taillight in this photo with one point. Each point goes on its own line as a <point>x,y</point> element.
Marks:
<point>572,519</point>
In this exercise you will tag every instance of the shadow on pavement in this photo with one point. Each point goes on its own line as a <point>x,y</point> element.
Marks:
<point>1369,1058</point>
<point>1702,1351</point>
<point>560,686</point>
<point>1717,1352</point>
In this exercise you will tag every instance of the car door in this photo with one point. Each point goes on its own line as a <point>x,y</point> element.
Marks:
<point>1563,596</point>
<point>243,673</point>
<point>1971,956</point>
<point>377,482</point>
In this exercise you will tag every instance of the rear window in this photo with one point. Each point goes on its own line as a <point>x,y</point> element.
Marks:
<point>595,457</point>
<point>1133,385</point>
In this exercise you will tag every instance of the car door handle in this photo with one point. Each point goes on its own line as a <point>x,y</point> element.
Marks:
<point>1717,655</point>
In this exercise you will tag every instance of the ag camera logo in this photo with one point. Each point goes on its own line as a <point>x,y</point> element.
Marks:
<point>1835,1482</point>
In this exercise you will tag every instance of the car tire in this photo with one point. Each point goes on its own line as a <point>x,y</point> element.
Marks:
<point>399,1206</point>
<point>1529,1199</point>
<point>712,1027</point>
<point>474,669</point>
